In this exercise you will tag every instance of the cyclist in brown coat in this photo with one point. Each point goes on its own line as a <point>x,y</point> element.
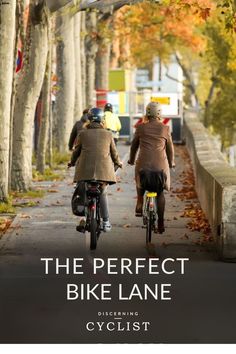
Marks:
<point>95,156</point>
<point>156,152</point>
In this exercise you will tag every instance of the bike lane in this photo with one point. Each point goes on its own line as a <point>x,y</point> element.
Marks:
<point>33,306</point>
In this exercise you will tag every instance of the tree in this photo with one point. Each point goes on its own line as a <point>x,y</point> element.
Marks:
<point>220,57</point>
<point>78,106</point>
<point>83,59</point>
<point>65,98</point>
<point>46,111</point>
<point>28,90</point>
<point>169,28</point>
<point>91,47</point>
<point>7,40</point>
<point>103,52</point>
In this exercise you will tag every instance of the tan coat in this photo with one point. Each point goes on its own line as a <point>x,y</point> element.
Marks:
<point>156,151</point>
<point>95,155</point>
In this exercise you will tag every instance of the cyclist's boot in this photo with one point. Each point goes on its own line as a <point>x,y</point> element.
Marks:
<point>81,226</point>
<point>139,206</point>
<point>106,226</point>
<point>160,226</point>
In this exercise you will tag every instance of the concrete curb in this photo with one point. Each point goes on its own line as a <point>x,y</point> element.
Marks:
<point>215,185</point>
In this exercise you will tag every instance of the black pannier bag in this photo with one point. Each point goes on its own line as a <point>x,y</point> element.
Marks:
<point>152,181</point>
<point>79,199</point>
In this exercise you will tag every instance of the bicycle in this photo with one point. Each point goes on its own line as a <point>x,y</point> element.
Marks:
<point>92,212</point>
<point>150,214</point>
<point>90,208</point>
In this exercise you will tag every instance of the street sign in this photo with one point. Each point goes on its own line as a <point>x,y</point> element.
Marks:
<point>161,100</point>
<point>149,84</point>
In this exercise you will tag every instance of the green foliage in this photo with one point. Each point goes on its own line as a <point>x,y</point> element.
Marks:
<point>60,158</point>
<point>49,175</point>
<point>228,10</point>
<point>220,59</point>
<point>32,193</point>
<point>7,208</point>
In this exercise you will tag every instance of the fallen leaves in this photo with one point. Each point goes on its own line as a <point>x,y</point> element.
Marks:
<point>25,216</point>
<point>199,222</point>
<point>184,237</point>
<point>4,224</point>
<point>126,225</point>
<point>186,192</point>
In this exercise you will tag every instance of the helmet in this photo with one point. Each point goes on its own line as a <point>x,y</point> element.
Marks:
<point>153,110</point>
<point>108,107</point>
<point>95,115</point>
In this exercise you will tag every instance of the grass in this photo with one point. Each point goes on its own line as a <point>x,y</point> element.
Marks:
<point>59,163</point>
<point>61,158</point>
<point>49,175</point>
<point>33,193</point>
<point>7,208</point>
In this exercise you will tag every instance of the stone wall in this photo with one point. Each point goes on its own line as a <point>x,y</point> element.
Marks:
<point>215,185</point>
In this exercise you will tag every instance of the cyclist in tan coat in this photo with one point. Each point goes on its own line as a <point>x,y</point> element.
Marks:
<point>156,152</point>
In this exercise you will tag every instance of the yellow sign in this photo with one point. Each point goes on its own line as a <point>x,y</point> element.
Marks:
<point>161,100</point>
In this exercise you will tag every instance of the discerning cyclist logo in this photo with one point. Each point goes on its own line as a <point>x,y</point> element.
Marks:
<point>118,321</point>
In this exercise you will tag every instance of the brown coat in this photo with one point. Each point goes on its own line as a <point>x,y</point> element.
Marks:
<point>95,155</point>
<point>156,149</point>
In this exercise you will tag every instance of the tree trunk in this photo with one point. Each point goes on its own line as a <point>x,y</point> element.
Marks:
<point>44,125</point>
<point>208,102</point>
<point>20,36</point>
<point>78,108</point>
<point>103,64</point>
<point>64,105</point>
<point>83,60</point>
<point>191,85</point>
<point>7,40</point>
<point>90,50</point>
<point>28,90</point>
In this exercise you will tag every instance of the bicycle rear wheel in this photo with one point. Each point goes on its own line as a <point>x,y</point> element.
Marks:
<point>149,227</point>
<point>93,234</point>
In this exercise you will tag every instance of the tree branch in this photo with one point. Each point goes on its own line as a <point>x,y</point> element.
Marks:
<point>101,5</point>
<point>188,78</point>
<point>171,77</point>
<point>104,4</point>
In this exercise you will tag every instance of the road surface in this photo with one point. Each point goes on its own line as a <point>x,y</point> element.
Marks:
<point>33,305</point>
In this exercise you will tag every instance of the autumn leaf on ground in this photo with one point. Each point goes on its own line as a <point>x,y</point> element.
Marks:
<point>53,191</point>
<point>4,224</point>
<point>25,216</point>
<point>127,225</point>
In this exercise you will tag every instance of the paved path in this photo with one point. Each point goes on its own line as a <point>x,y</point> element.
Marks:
<point>33,307</point>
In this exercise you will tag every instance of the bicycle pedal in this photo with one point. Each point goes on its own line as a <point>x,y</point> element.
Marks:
<point>80,229</point>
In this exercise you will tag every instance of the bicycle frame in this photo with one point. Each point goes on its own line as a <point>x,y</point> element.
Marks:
<point>92,212</point>
<point>149,214</point>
